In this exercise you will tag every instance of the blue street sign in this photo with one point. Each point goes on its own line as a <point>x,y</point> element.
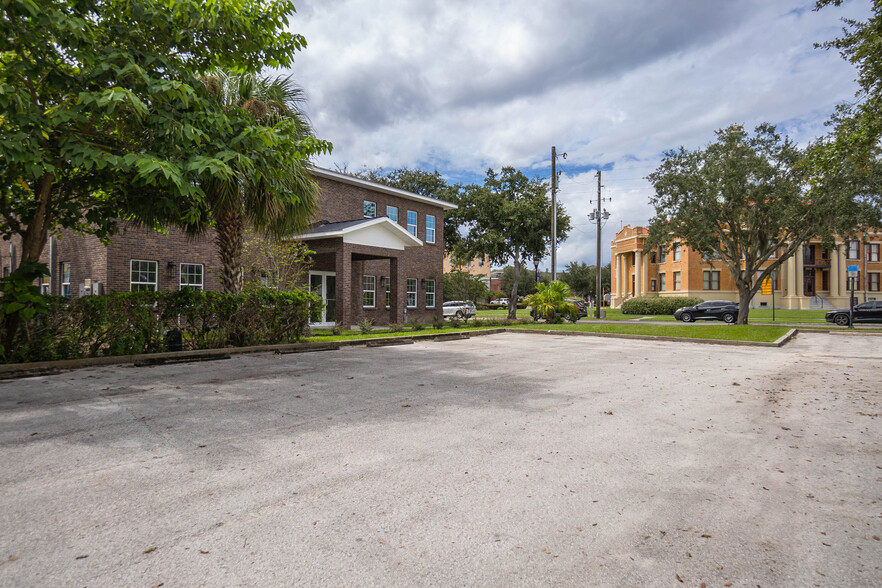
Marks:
<point>852,268</point>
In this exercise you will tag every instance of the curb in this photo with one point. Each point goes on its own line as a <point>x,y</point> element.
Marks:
<point>783,339</point>
<point>44,368</point>
<point>47,368</point>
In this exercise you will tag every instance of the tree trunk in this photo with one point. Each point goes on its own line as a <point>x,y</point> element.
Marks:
<point>33,240</point>
<point>513,299</point>
<point>230,238</point>
<point>744,296</point>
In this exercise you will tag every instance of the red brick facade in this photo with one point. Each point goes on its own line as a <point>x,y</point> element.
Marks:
<point>343,199</point>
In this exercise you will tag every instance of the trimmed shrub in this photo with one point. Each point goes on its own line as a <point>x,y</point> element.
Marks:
<point>656,304</point>
<point>128,323</point>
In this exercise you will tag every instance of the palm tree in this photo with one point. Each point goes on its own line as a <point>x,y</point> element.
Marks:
<point>273,192</point>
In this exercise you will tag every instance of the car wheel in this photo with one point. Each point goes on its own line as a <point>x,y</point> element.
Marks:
<point>729,318</point>
<point>841,320</point>
<point>459,314</point>
<point>686,317</point>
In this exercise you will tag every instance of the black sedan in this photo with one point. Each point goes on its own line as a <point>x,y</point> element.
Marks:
<point>720,310</point>
<point>866,312</point>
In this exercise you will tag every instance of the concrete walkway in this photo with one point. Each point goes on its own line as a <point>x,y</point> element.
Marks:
<point>505,460</point>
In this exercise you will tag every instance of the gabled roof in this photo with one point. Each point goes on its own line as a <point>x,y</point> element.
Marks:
<point>373,232</point>
<point>374,186</point>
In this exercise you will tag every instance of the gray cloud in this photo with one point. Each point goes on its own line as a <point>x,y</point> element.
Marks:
<point>465,86</point>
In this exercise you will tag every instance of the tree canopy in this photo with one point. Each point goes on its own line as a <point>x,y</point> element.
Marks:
<point>582,278</point>
<point>103,115</point>
<point>508,217</point>
<point>742,202</point>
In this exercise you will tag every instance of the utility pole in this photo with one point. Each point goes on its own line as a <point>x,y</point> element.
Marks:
<point>599,216</point>
<point>554,173</point>
<point>553,214</point>
<point>598,295</point>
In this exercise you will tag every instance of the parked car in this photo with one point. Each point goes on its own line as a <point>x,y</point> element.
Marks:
<point>721,310</point>
<point>866,312</point>
<point>461,309</point>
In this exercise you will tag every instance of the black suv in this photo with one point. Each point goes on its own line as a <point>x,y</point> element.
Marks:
<point>721,310</point>
<point>866,312</point>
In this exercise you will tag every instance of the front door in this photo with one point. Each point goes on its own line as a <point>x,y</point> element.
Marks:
<point>808,282</point>
<point>325,285</point>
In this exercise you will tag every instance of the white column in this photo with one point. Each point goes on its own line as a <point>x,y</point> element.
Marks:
<point>791,276</point>
<point>834,272</point>
<point>800,277</point>
<point>638,273</point>
<point>619,289</point>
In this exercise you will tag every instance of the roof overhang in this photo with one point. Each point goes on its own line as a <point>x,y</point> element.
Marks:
<point>374,186</point>
<point>373,232</point>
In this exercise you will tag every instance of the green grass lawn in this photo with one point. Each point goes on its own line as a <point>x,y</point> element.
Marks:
<point>767,333</point>
<point>712,330</point>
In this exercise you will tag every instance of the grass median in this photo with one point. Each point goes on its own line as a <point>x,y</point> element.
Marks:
<point>712,331</point>
<point>764,333</point>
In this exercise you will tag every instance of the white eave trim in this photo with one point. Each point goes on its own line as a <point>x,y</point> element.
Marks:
<point>348,234</point>
<point>347,179</point>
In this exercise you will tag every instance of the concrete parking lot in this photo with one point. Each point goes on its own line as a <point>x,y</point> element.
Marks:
<point>505,460</point>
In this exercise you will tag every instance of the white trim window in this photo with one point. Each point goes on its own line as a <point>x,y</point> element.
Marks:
<point>412,222</point>
<point>65,279</point>
<point>370,209</point>
<point>411,292</point>
<point>873,281</point>
<point>430,293</point>
<point>854,249</point>
<point>369,291</point>
<point>711,280</point>
<point>676,252</point>
<point>676,280</point>
<point>430,228</point>
<point>662,282</point>
<point>388,292</point>
<point>392,213</point>
<point>143,276</point>
<point>872,252</point>
<point>192,276</point>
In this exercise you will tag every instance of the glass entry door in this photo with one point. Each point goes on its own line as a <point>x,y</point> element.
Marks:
<point>325,285</point>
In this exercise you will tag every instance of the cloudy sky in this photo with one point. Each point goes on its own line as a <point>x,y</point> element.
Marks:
<point>461,86</point>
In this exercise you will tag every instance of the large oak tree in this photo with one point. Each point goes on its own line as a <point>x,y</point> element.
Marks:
<point>742,202</point>
<point>508,217</point>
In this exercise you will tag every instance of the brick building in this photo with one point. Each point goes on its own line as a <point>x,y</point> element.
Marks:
<point>378,255</point>
<point>813,278</point>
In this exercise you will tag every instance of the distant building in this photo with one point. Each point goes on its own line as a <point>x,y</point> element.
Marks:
<point>479,266</point>
<point>813,278</point>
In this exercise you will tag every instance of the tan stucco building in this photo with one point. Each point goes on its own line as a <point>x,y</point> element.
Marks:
<point>814,278</point>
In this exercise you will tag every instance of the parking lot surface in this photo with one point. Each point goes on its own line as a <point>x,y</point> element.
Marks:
<point>504,460</point>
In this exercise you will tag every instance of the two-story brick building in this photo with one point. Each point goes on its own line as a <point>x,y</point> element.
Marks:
<point>378,255</point>
<point>813,278</point>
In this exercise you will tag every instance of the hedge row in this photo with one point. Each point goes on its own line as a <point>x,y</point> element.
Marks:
<point>656,304</point>
<point>146,322</point>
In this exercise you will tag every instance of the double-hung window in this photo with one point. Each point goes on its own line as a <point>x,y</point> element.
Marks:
<point>676,252</point>
<point>392,213</point>
<point>191,275</point>
<point>412,222</point>
<point>430,293</point>
<point>661,282</point>
<point>873,281</point>
<point>854,249</point>
<point>872,252</point>
<point>662,255</point>
<point>65,279</point>
<point>143,276</point>
<point>676,280</point>
<point>411,292</point>
<point>369,289</point>
<point>711,280</point>
<point>370,209</point>
<point>430,228</point>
